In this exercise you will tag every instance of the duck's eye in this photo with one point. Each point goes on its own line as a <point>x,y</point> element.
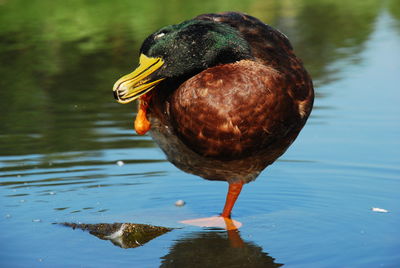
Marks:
<point>158,36</point>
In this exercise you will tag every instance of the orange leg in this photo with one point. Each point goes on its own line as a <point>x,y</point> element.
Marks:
<point>233,194</point>
<point>224,220</point>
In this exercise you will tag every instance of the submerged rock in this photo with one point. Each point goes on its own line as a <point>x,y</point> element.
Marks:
<point>124,235</point>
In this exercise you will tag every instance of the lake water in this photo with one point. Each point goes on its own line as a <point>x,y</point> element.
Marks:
<point>62,135</point>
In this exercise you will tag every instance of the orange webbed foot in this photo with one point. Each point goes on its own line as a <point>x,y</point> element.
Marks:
<point>216,221</point>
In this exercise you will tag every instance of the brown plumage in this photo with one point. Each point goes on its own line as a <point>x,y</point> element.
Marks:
<point>228,118</point>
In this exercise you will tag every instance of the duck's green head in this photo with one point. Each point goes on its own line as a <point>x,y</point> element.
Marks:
<point>181,50</point>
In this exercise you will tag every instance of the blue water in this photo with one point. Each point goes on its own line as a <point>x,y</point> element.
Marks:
<point>312,208</point>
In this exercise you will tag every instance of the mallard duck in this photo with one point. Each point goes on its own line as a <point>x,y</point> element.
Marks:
<point>223,95</point>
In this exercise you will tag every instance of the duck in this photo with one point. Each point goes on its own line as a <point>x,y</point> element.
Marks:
<point>222,94</point>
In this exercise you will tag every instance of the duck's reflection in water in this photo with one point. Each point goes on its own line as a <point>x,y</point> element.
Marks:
<point>216,248</point>
<point>208,248</point>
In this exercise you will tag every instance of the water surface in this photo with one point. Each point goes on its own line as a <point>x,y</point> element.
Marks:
<point>61,135</point>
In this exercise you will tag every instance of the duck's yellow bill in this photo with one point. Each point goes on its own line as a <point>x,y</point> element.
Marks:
<point>131,86</point>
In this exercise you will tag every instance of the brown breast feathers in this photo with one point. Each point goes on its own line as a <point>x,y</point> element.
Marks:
<point>235,110</point>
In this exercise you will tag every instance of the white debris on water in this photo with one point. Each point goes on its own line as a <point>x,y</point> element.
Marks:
<point>36,220</point>
<point>382,210</point>
<point>120,163</point>
<point>180,203</point>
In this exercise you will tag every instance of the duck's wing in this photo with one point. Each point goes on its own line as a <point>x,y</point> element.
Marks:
<point>272,48</point>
